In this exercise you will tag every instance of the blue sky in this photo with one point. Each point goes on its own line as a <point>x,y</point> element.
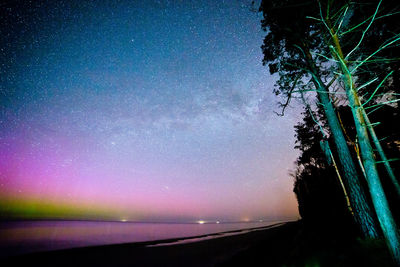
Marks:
<point>160,108</point>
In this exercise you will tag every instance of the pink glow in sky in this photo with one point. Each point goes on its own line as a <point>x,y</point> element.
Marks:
<point>159,113</point>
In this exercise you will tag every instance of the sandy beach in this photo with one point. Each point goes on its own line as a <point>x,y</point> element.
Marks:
<point>174,252</point>
<point>286,244</point>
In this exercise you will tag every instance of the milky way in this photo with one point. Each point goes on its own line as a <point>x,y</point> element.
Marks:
<point>143,110</point>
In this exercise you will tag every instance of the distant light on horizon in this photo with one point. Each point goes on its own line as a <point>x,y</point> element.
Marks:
<point>201,222</point>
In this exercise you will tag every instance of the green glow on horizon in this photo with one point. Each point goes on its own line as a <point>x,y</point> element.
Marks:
<point>12,208</point>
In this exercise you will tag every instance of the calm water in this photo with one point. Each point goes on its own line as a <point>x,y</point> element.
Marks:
<point>29,236</point>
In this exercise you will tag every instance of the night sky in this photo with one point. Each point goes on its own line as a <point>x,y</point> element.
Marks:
<point>141,110</point>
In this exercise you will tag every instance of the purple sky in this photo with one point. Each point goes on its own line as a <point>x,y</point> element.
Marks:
<point>157,110</point>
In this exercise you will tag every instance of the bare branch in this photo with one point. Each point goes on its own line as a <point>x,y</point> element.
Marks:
<point>365,31</point>
<point>366,84</point>
<point>380,84</point>
<point>285,105</point>
<point>395,39</point>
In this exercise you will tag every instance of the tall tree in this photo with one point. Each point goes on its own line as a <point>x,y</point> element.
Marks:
<point>288,46</point>
<point>348,74</point>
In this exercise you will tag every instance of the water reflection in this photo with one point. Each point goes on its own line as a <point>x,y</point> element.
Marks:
<point>30,236</point>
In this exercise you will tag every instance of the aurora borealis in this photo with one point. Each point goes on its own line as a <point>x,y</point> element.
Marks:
<point>141,110</point>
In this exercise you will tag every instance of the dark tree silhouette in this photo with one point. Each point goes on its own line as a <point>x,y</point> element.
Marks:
<point>288,46</point>
<point>307,40</point>
<point>317,187</point>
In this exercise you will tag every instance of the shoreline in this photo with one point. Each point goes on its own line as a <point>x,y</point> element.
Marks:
<point>204,250</point>
<point>199,238</point>
<point>20,247</point>
<point>17,220</point>
<point>288,244</point>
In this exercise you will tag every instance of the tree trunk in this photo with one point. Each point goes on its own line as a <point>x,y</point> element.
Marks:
<point>362,212</point>
<point>379,200</point>
<point>381,153</point>
<point>331,161</point>
<point>386,221</point>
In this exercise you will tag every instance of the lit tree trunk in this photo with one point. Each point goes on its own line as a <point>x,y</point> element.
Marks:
<point>324,144</point>
<point>331,161</point>
<point>378,196</point>
<point>379,200</point>
<point>381,153</point>
<point>362,212</point>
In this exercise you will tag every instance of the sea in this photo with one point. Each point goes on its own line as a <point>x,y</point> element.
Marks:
<point>21,237</point>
